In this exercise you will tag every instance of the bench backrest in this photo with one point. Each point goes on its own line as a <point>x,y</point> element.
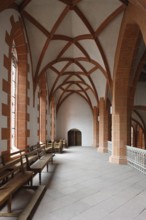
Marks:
<point>10,169</point>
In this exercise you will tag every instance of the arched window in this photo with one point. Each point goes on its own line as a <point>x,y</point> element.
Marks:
<point>14,76</point>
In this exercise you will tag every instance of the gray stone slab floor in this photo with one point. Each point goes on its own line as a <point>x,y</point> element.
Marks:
<point>83,185</point>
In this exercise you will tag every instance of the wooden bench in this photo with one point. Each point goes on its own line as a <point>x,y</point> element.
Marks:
<point>13,176</point>
<point>42,159</point>
<point>58,146</point>
<point>27,213</point>
<point>49,147</point>
<point>10,164</point>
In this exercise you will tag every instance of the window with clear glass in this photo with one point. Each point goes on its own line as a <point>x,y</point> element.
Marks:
<point>52,117</point>
<point>14,72</point>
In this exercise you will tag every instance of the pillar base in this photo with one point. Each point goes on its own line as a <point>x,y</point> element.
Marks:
<point>102,149</point>
<point>118,160</point>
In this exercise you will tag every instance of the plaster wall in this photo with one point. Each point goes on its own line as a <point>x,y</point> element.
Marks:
<point>139,98</point>
<point>75,113</point>
<point>5,26</point>
<point>32,111</point>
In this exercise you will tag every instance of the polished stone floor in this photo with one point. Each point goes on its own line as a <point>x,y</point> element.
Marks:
<point>83,185</point>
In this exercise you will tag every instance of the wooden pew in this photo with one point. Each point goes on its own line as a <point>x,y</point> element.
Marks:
<point>28,211</point>
<point>10,164</point>
<point>58,146</point>
<point>49,147</point>
<point>43,159</point>
<point>13,176</point>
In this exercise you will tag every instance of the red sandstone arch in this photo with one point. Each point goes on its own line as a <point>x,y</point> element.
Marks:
<point>122,97</point>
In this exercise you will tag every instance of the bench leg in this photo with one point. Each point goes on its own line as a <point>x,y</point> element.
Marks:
<point>47,166</point>
<point>9,203</point>
<point>30,182</point>
<point>40,178</point>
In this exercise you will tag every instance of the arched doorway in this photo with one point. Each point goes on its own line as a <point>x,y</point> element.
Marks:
<point>74,137</point>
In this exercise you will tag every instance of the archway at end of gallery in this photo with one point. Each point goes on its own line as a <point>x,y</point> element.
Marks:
<point>74,137</point>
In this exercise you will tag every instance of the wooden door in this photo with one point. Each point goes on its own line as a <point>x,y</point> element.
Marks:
<point>74,138</point>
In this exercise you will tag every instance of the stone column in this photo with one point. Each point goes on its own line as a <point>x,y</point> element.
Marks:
<point>119,137</point>
<point>102,127</point>
<point>109,121</point>
<point>97,133</point>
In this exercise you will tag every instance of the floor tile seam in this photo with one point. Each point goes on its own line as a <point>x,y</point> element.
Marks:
<point>51,212</point>
<point>120,191</point>
<point>90,207</point>
<point>98,203</point>
<point>116,180</point>
<point>114,194</point>
<point>144,209</point>
<point>124,182</point>
<point>137,182</point>
<point>126,178</point>
<point>82,212</point>
<point>117,208</point>
<point>134,196</point>
<point>78,200</point>
<point>138,194</point>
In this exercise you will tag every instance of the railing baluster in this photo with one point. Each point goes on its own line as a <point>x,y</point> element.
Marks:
<point>136,157</point>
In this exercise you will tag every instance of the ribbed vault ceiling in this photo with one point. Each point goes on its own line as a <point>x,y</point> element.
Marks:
<point>73,42</point>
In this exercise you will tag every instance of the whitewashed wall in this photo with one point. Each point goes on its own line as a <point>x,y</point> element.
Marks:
<point>75,113</point>
<point>5,26</point>
<point>139,98</point>
<point>48,122</point>
<point>34,114</point>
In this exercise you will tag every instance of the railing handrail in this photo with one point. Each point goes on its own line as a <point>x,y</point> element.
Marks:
<point>136,149</point>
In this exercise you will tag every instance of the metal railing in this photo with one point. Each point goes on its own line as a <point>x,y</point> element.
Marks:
<point>136,158</point>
